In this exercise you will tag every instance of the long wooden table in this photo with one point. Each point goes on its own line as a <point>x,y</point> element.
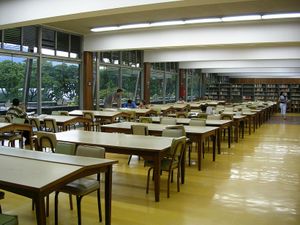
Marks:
<point>99,115</point>
<point>222,124</point>
<point>149,147</point>
<point>36,174</point>
<point>64,122</point>
<point>195,133</point>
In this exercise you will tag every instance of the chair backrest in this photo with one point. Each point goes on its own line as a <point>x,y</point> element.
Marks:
<point>18,120</point>
<point>197,122</point>
<point>139,130</point>
<point>65,148</point>
<point>226,117</point>
<point>174,131</point>
<point>55,113</point>
<point>64,113</point>
<point>90,151</point>
<point>35,122</point>
<point>214,117</point>
<point>144,119</point>
<point>50,125</point>
<point>89,115</point>
<point>181,114</point>
<point>168,120</point>
<point>202,116</point>
<point>46,140</point>
<point>177,149</point>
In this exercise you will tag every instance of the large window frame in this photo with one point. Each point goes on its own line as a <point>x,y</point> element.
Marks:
<point>28,44</point>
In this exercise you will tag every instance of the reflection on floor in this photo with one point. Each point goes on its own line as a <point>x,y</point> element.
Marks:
<point>256,181</point>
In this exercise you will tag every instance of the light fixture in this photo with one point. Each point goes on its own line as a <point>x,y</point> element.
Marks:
<point>136,25</point>
<point>204,20</point>
<point>241,18</point>
<point>196,20</point>
<point>167,23</point>
<point>101,29</point>
<point>280,16</point>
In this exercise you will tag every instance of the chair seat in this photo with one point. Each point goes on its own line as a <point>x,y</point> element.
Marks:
<point>82,186</point>
<point>8,219</point>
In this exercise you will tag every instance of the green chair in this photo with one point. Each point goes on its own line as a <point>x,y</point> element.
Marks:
<point>169,163</point>
<point>8,219</point>
<point>83,186</point>
<point>138,130</point>
<point>1,197</point>
<point>144,119</point>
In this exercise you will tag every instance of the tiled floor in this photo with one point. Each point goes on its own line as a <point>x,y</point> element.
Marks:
<point>255,182</point>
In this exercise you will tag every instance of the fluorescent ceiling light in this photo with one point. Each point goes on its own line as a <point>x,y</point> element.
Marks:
<point>281,16</point>
<point>205,20</point>
<point>100,29</point>
<point>137,25</point>
<point>241,18</point>
<point>167,23</point>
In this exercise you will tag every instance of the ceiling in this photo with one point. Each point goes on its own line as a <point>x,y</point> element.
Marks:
<point>81,18</point>
<point>176,10</point>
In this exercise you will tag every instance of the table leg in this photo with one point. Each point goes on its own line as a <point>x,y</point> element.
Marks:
<point>229,136</point>
<point>219,140</point>
<point>200,149</point>
<point>214,146</point>
<point>108,191</point>
<point>157,177</point>
<point>182,167</point>
<point>40,210</point>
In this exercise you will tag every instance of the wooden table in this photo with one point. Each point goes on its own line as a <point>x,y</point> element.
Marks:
<point>36,174</point>
<point>139,112</point>
<point>149,147</point>
<point>195,133</point>
<point>64,122</point>
<point>110,115</point>
<point>11,127</point>
<point>223,124</point>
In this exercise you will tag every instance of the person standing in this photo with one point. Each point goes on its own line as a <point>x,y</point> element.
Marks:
<point>113,98</point>
<point>283,103</point>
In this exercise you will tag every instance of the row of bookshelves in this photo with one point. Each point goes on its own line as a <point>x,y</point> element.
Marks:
<point>253,92</point>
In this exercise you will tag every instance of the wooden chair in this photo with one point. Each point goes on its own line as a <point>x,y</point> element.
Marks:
<point>1,197</point>
<point>94,124</point>
<point>168,120</point>
<point>144,119</point>
<point>169,163</point>
<point>83,186</point>
<point>45,140</point>
<point>138,130</point>
<point>50,125</point>
<point>181,114</point>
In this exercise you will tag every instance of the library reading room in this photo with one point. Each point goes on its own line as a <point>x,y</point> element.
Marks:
<point>150,112</point>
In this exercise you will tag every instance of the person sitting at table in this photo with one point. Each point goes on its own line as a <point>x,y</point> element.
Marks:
<point>129,104</point>
<point>18,111</point>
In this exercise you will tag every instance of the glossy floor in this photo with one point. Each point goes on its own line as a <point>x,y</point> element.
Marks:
<point>256,181</point>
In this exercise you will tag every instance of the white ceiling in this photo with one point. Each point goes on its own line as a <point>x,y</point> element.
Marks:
<point>201,50</point>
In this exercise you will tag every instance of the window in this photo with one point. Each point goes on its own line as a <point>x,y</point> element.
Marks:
<point>62,44</point>
<point>156,87</point>
<point>109,81</point>
<point>60,84</point>
<point>171,87</point>
<point>12,39</point>
<point>131,84</point>
<point>48,42</point>
<point>30,39</point>
<point>75,47</point>
<point>14,71</point>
